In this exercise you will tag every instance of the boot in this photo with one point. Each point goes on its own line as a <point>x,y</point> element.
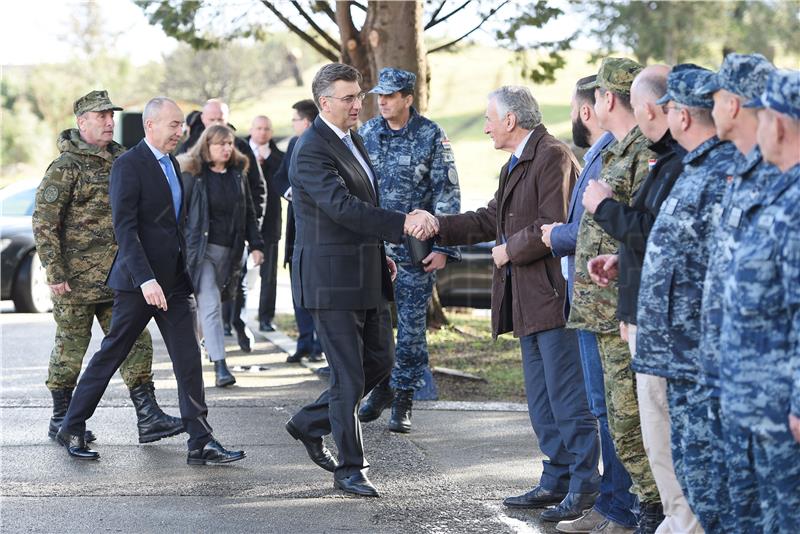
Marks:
<point>651,515</point>
<point>153,423</point>
<point>400,421</point>
<point>379,399</point>
<point>61,400</point>
<point>223,375</point>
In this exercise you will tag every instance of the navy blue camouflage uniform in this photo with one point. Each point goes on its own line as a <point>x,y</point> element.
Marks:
<point>415,170</point>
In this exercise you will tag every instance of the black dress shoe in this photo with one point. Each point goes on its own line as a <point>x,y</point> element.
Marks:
<point>538,497</point>
<point>222,375</point>
<point>213,453</point>
<point>226,330</point>
<point>315,448</point>
<point>266,326</point>
<point>323,372</point>
<point>76,446</point>
<point>316,357</point>
<point>572,507</point>
<point>243,337</point>
<point>296,357</point>
<point>357,484</point>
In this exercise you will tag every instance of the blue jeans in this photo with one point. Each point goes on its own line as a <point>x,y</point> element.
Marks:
<point>307,338</point>
<point>559,413</point>
<point>616,502</point>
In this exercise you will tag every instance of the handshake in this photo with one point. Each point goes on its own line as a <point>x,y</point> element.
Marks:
<point>421,225</point>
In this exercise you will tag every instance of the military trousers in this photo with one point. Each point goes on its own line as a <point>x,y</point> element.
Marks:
<point>412,292</point>
<point>622,409</point>
<point>73,334</point>
<point>763,478</point>
<point>697,453</point>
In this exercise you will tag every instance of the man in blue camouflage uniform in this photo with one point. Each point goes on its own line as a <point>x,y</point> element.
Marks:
<point>761,321</point>
<point>740,79</point>
<point>674,269</point>
<point>416,170</point>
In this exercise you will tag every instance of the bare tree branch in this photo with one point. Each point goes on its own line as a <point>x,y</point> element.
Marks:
<point>434,22</point>
<point>326,52</point>
<point>322,33</point>
<point>325,7</point>
<point>362,7</point>
<point>454,41</point>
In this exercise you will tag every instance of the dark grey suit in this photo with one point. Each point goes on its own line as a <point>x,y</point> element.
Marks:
<point>342,278</point>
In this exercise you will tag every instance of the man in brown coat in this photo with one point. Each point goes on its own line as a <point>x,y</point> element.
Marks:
<point>528,294</point>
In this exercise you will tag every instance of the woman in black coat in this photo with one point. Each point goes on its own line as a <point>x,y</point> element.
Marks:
<point>220,217</point>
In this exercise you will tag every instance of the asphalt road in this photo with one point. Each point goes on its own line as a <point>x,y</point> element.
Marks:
<point>448,475</point>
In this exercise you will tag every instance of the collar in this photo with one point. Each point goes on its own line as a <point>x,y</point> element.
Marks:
<point>663,146</point>
<point>750,162</point>
<point>387,129</point>
<point>521,145</point>
<point>701,150</point>
<point>156,152</point>
<point>253,145</point>
<point>338,131</point>
<point>606,139</point>
<point>630,138</point>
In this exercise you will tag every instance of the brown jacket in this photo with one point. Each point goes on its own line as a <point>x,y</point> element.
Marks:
<point>535,193</point>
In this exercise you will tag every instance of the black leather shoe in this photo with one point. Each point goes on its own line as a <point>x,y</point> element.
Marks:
<point>357,484</point>
<point>266,326</point>
<point>222,375</point>
<point>379,399</point>
<point>315,448</point>
<point>316,357</point>
<point>153,424</point>
<point>538,497</point>
<point>226,330</point>
<point>296,357</point>
<point>573,506</point>
<point>400,420</point>
<point>76,446</point>
<point>324,372</point>
<point>213,453</point>
<point>243,337</point>
<point>61,400</point>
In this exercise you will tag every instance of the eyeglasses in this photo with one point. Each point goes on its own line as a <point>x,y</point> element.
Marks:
<point>666,107</point>
<point>349,99</point>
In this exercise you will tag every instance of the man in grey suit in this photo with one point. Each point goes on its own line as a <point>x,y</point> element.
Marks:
<point>343,276</point>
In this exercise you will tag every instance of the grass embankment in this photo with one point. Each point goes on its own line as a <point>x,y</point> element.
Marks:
<point>466,345</point>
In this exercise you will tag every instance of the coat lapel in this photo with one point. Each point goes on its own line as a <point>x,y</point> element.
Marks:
<point>338,146</point>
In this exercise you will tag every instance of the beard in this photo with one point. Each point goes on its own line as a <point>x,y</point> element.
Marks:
<point>580,134</point>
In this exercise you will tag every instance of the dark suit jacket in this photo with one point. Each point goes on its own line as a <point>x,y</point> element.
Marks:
<point>339,256</point>
<point>149,238</point>
<point>271,223</point>
<point>281,181</point>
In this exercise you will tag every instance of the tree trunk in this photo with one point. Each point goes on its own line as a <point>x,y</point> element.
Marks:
<point>435,314</point>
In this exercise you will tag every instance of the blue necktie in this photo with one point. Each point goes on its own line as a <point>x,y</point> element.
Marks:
<point>174,186</point>
<point>513,163</point>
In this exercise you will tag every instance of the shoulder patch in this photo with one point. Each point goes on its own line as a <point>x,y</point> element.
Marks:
<point>452,175</point>
<point>50,194</point>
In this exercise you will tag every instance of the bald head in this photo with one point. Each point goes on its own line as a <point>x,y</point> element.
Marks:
<point>648,86</point>
<point>215,111</point>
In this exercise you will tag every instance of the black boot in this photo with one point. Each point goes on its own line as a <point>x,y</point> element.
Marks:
<point>651,515</point>
<point>379,399</point>
<point>153,423</point>
<point>223,375</point>
<point>400,421</point>
<point>61,400</point>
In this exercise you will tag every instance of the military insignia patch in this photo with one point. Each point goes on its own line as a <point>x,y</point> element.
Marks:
<point>50,193</point>
<point>452,175</point>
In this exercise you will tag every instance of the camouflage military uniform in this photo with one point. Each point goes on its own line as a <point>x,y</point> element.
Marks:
<point>759,348</point>
<point>416,170</point>
<point>75,241</point>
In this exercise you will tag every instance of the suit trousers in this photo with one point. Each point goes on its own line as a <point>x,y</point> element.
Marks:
<point>359,346</point>
<point>269,283</point>
<point>559,411</point>
<point>129,317</point>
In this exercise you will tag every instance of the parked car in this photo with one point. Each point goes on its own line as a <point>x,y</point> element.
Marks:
<point>468,283</point>
<point>22,277</point>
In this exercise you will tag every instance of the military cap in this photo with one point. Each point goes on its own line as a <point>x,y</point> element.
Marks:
<point>94,101</point>
<point>683,81</point>
<point>616,74</point>
<point>391,80</point>
<point>743,74</point>
<point>782,93</point>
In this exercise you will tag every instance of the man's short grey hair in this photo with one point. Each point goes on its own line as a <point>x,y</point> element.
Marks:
<point>330,73</point>
<point>518,100</point>
<point>152,108</point>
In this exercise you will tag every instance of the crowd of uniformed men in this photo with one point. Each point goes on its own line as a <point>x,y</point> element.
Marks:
<point>666,342</point>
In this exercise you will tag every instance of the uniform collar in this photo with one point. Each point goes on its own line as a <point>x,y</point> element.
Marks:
<point>626,142</point>
<point>701,150</point>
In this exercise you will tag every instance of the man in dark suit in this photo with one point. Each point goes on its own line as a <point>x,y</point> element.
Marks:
<point>149,280</point>
<point>342,274</point>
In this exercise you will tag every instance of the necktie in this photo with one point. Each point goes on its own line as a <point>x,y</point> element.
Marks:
<point>513,163</point>
<point>174,186</point>
<point>349,143</point>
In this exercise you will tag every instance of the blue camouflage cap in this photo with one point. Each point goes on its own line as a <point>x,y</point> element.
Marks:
<point>391,80</point>
<point>743,74</point>
<point>683,81</point>
<point>782,93</point>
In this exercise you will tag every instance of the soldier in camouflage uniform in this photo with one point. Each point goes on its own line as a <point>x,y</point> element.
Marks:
<point>416,170</point>
<point>625,165</point>
<point>760,354</point>
<point>740,79</point>
<point>672,284</point>
<point>75,241</point>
